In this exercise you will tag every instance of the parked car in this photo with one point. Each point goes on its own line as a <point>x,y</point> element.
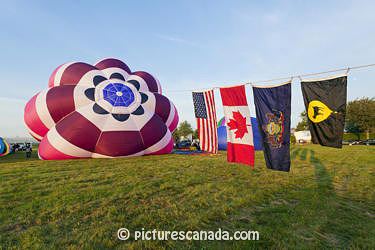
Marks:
<point>363,142</point>
<point>183,144</point>
<point>356,143</point>
<point>346,142</point>
<point>370,142</point>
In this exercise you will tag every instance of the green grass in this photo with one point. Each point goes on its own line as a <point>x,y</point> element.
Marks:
<point>326,201</point>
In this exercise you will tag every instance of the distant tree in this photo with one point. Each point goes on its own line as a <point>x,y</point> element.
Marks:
<point>353,128</point>
<point>360,116</point>
<point>184,129</point>
<point>302,125</point>
<point>176,135</point>
<point>195,134</point>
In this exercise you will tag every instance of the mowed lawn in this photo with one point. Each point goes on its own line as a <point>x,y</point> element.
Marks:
<point>327,200</point>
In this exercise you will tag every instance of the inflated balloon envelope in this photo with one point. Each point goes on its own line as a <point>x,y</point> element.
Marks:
<point>102,110</point>
<point>5,148</point>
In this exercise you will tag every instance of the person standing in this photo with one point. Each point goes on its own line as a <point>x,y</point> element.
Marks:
<point>28,151</point>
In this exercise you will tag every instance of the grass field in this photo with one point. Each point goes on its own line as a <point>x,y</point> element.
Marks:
<point>326,201</point>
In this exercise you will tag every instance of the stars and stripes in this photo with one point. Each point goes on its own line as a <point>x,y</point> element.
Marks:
<point>205,112</point>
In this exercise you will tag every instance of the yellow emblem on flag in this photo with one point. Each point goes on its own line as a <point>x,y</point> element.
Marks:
<point>318,111</point>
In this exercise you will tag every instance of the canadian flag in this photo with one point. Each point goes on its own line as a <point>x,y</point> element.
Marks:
<point>240,146</point>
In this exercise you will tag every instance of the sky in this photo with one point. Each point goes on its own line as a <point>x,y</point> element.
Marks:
<point>186,44</point>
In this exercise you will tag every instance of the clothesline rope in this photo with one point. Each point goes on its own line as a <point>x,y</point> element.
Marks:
<point>300,76</point>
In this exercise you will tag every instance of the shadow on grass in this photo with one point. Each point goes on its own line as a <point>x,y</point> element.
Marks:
<point>323,179</point>
<point>317,217</point>
<point>303,154</point>
<point>294,153</point>
<point>335,228</point>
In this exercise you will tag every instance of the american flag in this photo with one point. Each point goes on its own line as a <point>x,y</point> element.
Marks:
<point>205,112</point>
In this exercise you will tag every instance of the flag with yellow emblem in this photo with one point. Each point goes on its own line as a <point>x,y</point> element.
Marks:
<point>325,102</point>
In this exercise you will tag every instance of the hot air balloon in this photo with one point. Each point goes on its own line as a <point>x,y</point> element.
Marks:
<point>5,147</point>
<point>222,134</point>
<point>101,111</point>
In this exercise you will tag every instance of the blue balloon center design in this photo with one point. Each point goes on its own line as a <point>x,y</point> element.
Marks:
<point>118,94</point>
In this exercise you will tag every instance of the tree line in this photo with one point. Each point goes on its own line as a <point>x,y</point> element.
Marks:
<point>360,117</point>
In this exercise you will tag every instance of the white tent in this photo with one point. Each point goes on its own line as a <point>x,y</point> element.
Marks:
<point>303,136</point>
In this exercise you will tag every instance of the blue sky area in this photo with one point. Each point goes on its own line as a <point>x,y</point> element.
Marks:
<point>185,44</point>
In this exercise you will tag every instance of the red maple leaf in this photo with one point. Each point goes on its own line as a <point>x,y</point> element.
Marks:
<point>238,123</point>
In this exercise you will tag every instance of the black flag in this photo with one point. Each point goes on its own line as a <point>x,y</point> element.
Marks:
<point>325,102</point>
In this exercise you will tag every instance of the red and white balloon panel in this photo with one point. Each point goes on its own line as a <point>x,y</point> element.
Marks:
<point>101,110</point>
